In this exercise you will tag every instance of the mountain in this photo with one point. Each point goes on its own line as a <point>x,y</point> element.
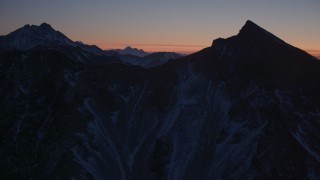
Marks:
<point>138,57</point>
<point>151,60</point>
<point>245,108</point>
<point>130,51</point>
<point>33,36</point>
<point>28,37</point>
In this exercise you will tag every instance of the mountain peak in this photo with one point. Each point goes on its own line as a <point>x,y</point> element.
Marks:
<point>250,23</point>
<point>132,51</point>
<point>129,48</point>
<point>45,25</point>
<point>250,28</point>
<point>30,36</point>
<point>36,28</point>
<point>251,32</point>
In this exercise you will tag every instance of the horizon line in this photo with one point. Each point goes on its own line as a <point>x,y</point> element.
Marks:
<point>313,52</point>
<point>178,48</point>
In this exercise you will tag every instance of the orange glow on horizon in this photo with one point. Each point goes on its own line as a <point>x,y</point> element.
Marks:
<point>314,52</point>
<point>184,49</point>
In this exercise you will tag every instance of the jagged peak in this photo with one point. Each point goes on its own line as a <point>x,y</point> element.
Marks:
<point>42,27</point>
<point>133,48</point>
<point>250,24</point>
<point>251,31</point>
<point>128,47</point>
<point>251,27</point>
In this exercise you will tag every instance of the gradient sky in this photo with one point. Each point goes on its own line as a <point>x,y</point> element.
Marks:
<point>166,25</point>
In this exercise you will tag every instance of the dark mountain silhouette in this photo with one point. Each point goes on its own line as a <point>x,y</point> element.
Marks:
<point>245,108</point>
<point>139,57</point>
<point>32,36</point>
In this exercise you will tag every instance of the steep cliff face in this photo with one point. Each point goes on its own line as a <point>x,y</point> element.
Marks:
<point>245,108</point>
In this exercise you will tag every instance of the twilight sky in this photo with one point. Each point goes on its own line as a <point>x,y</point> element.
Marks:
<point>166,25</point>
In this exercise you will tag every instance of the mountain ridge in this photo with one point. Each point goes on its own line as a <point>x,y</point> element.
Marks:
<point>240,109</point>
<point>31,36</point>
<point>129,50</point>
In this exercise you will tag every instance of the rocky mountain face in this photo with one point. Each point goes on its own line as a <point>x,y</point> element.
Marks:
<point>245,108</point>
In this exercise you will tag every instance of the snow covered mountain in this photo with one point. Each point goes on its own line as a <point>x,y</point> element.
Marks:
<point>245,108</point>
<point>130,51</point>
<point>31,36</point>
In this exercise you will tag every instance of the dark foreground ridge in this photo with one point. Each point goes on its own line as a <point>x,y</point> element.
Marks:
<point>245,108</point>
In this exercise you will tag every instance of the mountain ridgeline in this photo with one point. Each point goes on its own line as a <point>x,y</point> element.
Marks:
<point>44,36</point>
<point>245,108</point>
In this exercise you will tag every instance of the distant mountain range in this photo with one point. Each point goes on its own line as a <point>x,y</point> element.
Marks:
<point>245,108</point>
<point>31,36</point>
<point>131,51</point>
<point>141,58</point>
